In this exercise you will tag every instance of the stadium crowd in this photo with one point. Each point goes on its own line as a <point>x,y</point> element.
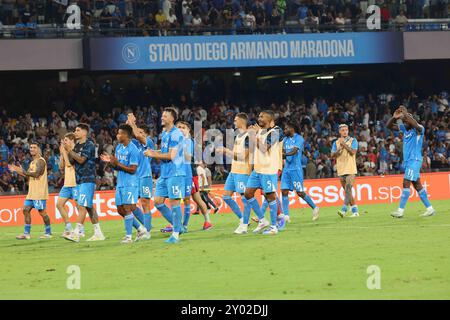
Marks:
<point>380,151</point>
<point>158,17</point>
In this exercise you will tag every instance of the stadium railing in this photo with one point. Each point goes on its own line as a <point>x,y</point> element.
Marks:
<point>61,31</point>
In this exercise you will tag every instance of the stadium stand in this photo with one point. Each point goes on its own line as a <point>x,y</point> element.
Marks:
<point>45,18</point>
<point>318,119</point>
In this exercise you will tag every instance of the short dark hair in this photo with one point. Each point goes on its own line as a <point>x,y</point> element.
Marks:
<point>146,128</point>
<point>292,125</point>
<point>34,143</point>
<point>127,128</point>
<point>83,126</point>
<point>70,136</point>
<point>270,113</point>
<point>173,112</point>
<point>243,116</point>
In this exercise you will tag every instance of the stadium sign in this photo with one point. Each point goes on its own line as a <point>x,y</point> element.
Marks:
<point>324,192</point>
<point>149,53</point>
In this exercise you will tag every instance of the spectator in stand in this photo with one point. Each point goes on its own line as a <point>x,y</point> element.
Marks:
<point>166,7</point>
<point>385,15</point>
<point>329,22</point>
<point>161,22</point>
<point>105,18</point>
<point>4,151</point>
<point>188,18</point>
<point>312,22</point>
<point>302,14</point>
<point>197,21</point>
<point>217,13</point>
<point>172,20</point>
<point>116,18</point>
<point>317,118</point>
<point>130,22</point>
<point>250,21</point>
<point>401,18</point>
<point>275,18</point>
<point>340,22</point>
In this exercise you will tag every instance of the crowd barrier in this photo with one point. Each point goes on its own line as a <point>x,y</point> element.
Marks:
<point>324,192</point>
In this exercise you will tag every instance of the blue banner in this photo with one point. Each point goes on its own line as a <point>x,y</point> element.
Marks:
<point>189,52</point>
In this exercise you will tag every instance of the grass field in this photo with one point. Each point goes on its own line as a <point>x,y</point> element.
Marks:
<point>327,259</point>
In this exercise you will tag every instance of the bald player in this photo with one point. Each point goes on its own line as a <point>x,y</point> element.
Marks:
<point>266,157</point>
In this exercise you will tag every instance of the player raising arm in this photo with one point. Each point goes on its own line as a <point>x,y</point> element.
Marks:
<point>143,142</point>
<point>37,191</point>
<point>413,134</point>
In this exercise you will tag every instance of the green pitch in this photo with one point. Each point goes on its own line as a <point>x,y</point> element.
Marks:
<point>327,259</point>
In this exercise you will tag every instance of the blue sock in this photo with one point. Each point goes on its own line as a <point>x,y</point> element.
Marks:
<point>82,228</point>
<point>177,217</point>
<point>68,227</point>
<point>136,223</point>
<point>186,214</point>
<point>310,202</point>
<point>344,208</point>
<point>139,215</point>
<point>424,197</point>
<point>285,204</point>
<point>233,205</point>
<point>256,208</point>
<point>165,211</point>
<point>247,210</point>
<point>148,221</point>
<point>48,229</point>
<point>273,212</point>
<point>264,206</point>
<point>27,229</point>
<point>404,198</point>
<point>355,209</point>
<point>128,221</point>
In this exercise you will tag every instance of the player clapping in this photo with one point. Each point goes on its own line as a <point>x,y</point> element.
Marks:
<point>292,176</point>
<point>37,191</point>
<point>126,161</point>
<point>171,183</point>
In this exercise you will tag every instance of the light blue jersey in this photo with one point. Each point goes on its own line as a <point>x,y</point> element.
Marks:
<point>412,152</point>
<point>412,144</point>
<point>127,155</point>
<point>145,168</point>
<point>293,162</point>
<point>170,140</point>
<point>188,148</point>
